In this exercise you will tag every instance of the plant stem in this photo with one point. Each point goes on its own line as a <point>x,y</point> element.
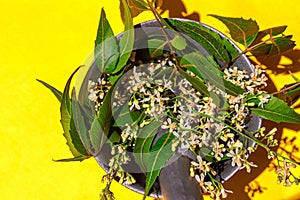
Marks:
<point>248,49</point>
<point>161,23</point>
<point>286,88</point>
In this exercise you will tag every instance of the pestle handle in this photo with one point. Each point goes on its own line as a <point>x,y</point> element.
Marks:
<point>176,182</point>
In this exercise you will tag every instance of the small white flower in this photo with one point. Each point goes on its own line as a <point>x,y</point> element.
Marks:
<point>135,104</point>
<point>136,75</point>
<point>263,99</point>
<point>92,96</point>
<point>235,157</point>
<point>169,125</point>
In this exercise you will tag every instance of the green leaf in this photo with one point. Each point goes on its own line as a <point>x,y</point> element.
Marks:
<point>79,121</point>
<point>77,139</point>
<point>113,79</point>
<point>161,152</point>
<point>277,46</point>
<point>270,31</point>
<point>106,49</point>
<point>58,94</point>
<point>274,31</point>
<point>95,134</point>
<point>163,140</point>
<point>124,116</point>
<point>143,143</point>
<point>241,30</point>
<point>104,120</point>
<point>211,41</point>
<point>115,137</point>
<point>127,40</point>
<point>278,111</point>
<point>210,72</point>
<point>155,47</point>
<point>70,132</point>
<point>136,7</point>
<point>196,82</point>
<point>178,42</point>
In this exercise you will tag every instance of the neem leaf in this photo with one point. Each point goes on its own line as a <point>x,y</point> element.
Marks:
<point>278,111</point>
<point>115,137</point>
<point>275,30</point>
<point>79,120</point>
<point>104,121</point>
<point>178,42</point>
<point>77,139</point>
<point>127,39</point>
<point>196,82</point>
<point>124,116</point>
<point>70,132</point>
<point>95,134</point>
<point>241,30</point>
<point>208,39</point>
<point>161,152</point>
<point>163,140</point>
<point>106,49</point>
<point>270,31</point>
<point>136,7</point>
<point>277,46</point>
<point>210,72</point>
<point>155,47</point>
<point>56,92</point>
<point>143,144</point>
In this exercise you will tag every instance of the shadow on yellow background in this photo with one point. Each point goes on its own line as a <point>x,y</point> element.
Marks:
<point>49,39</point>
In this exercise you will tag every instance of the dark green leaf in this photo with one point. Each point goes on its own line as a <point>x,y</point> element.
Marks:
<point>277,46</point>
<point>160,154</point>
<point>76,138</point>
<point>79,121</point>
<point>210,72</point>
<point>162,141</point>
<point>278,111</point>
<point>270,31</point>
<point>95,134</point>
<point>106,48</point>
<point>127,39</point>
<point>70,132</point>
<point>275,30</point>
<point>178,42</point>
<point>57,93</point>
<point>143,143</point>
<point>113,79</point>
<point>156,47</point>
<point>208,39</point>
<point>104,120</point>
<point>241,30</point>
<point>115,137</point>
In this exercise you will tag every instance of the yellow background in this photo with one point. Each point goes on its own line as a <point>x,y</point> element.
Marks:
<point>48,39</point>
